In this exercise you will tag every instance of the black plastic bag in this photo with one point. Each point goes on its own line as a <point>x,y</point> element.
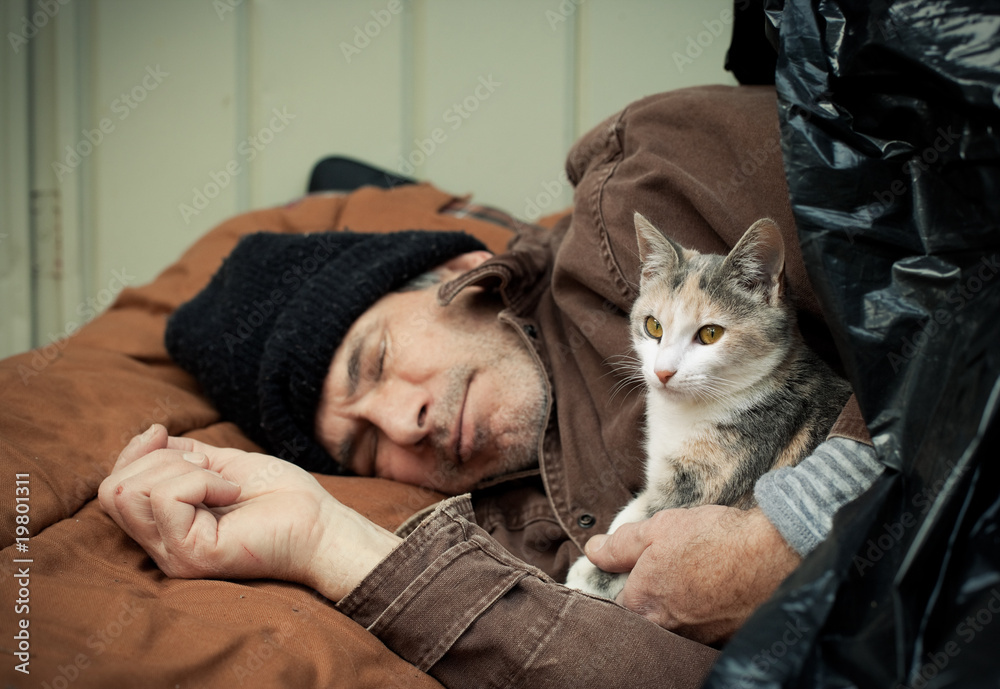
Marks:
<point>890,115</point>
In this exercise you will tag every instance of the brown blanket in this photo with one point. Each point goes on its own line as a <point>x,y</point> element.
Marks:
<point>84,606</point>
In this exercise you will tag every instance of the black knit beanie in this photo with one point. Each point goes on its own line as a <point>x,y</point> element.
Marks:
<point>260,337</point>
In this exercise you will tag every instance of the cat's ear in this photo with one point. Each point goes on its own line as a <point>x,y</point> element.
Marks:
<point>657,254</point>
<point>757,261</point>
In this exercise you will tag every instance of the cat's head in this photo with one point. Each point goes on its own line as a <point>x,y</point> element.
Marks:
<point>706,327</point>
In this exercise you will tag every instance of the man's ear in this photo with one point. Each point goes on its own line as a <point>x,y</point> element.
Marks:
<point>462,264</point>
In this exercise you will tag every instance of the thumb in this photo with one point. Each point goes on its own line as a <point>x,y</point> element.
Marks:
<point>618,551</point>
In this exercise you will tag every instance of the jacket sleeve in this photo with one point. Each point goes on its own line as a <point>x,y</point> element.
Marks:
<point>455,604</point>
<point>801,501</point>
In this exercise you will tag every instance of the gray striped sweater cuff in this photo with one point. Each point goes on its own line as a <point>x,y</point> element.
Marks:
<point>800,501</point>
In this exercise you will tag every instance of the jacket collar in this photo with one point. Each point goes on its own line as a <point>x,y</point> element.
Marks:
<point>520,275</point>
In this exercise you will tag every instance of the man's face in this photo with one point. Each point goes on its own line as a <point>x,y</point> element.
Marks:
<point>436,396</point>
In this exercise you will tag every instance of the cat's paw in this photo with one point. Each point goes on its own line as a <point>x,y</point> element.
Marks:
<point>585,576</point>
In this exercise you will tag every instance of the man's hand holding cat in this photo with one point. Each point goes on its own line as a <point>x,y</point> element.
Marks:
<point>206,512</point>
<point>700,571</point>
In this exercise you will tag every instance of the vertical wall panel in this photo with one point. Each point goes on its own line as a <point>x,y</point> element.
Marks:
<point>337,69</point>
<point>164,81</point>
<point>489,85</point>
<point>47,230</point>
<point>15,255</point>
<point>71,34</point>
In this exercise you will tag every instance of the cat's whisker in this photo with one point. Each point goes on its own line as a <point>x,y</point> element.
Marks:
<point>711,394</point>
<point>732,383</point>
<point>626,372</point>
<point>716,392</point>
<point>718,389</point>
<point>620,361</point>
<point>628,366</point>
<point>708,389</point>
<point>612,398</point>
<point>629,385</point>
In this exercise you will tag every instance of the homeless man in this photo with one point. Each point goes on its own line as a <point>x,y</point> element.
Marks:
<point>489,375</point>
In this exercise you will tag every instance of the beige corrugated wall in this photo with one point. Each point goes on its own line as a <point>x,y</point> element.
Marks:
<point>137,125</point>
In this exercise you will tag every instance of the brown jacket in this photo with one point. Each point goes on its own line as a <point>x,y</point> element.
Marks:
<point>702,164</point>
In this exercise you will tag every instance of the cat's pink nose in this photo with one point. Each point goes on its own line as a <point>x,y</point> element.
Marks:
<point>665,376</point>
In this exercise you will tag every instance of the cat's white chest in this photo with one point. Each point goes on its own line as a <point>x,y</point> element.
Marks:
<point>671,426</point>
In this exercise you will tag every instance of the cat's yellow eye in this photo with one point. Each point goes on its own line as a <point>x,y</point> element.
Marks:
<point>710,334</point>
<point>653,327</point>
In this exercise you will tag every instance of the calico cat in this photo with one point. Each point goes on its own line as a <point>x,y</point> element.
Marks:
<point>732,389</point>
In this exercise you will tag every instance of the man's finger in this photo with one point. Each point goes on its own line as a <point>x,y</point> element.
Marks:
<point>157,465</point>
<point>638,599</point>
<point>619,551</point>
<point>125,494</point>
<point>174,503</point>
<point>216,459</point>
<point>188,445</point>
<point>153,438</point>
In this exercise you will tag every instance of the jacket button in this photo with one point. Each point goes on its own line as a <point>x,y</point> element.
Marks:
<point>531,331</point>
<point>585,521</point>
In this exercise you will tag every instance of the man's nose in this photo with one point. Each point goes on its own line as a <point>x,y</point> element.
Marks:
<point>401,413</point>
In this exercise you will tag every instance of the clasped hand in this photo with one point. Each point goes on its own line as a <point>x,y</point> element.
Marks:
<point>699,571</point>
<point>206,512</point>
